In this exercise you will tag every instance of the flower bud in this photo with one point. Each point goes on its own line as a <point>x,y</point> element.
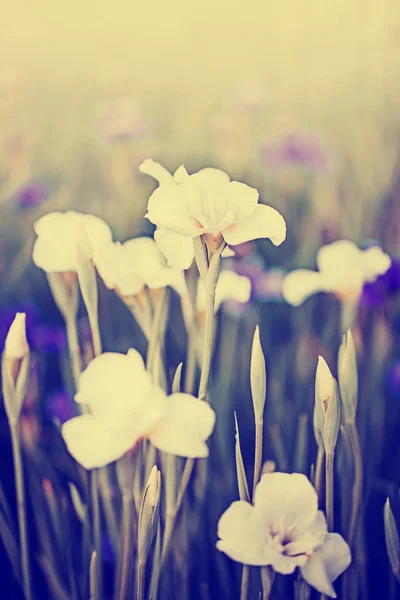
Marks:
<point>258,378</point>
<point>327,407</point>
<point>392,539</point>
<point>16,345</point>
<point>240,470</point>
<point>348,379</point>
<point>15,368</point>
<point>332,420</point>
<point>149,514</point>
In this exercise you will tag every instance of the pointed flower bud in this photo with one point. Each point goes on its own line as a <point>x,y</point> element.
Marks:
<point>240,470</point>
<point>16,345</point>
<point>327,407</point>
<point>348,379</point>
<point>149,514</point>
<point>15,368</point>
<point>258,378</point>
<point>392,539</point>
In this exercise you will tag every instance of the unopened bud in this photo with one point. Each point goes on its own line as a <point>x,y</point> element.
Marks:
<point>15,368</point>
<point>258,378</point>
<point>392,539</point>
<point>332,420</point>
<point>348,378</point>
<point>240,470</point>
<point>327,407</point>
<point>149,514</point>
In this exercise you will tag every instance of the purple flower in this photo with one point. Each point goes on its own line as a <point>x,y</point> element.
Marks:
<point>386,285</point>
<point>50,338</point>
<point>31,194</point>
<point>295,149</point>
<point>266,284</point>
<point>393,377</point>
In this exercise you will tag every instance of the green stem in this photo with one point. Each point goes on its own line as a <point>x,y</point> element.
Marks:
<point>329,490</point>
<point>127,547</point>
<point>319,470</point>
<point>244,590</point>
<point>96,528</point>
<point>73,347</point>
<point>156,329</point>
<point>358,481</point>
<point>191,360</point>
<point>141,581</point>
<point>20,492</point>
<point>208,343</point>
<point>258,454</point>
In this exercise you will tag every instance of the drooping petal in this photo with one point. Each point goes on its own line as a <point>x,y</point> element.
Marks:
<point>243,537</point>
<point>187,424</point>
<point>315,574</point>
<point>335,554</point>
<point>289,500</point>
<point>300,284</point>
<point>95,444</point>
<point>263,222</point>
<point>241,200</point>
<point>286,564</point>
<point>178,249</point>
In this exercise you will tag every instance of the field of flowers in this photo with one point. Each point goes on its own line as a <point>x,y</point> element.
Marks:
<point>200,304</point>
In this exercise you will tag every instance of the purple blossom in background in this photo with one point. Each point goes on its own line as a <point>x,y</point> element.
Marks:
<point>386,285</point>
<point>295,149</point>
<point>61,406</point>
<point>31,194</point>
<point>266,284</point>
<point>49,338</point>
<point>123,121</point>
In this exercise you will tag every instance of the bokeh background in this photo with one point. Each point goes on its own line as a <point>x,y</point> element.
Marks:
<point>298,99</point>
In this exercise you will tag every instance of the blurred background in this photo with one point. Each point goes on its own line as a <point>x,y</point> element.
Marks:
<point>298,99</point>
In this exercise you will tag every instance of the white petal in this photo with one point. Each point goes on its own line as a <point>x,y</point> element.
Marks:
<point>288,500</point>
<point>243,535</point>
<point>178,249</point>
<point>232,286</point>
<point>16,345</point>
<point>211,179</point>
<point>155,170</point>
<point>376,262</point>
<point>300,284</point>
<point>168,208</point>
<point>187,424</point>
<point>263,222</point>
<point>94,444</point>
<point>97,230</point>
<point>335,554</point>
<point>241,200</point>
<point>315,574</point>
<point>115,385</point>
<point>55,254</point>
<point>228,252</point>
<point>337,255</point>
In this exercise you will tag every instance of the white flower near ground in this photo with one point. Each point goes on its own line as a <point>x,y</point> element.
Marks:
<point>286,530</point>
<point>16,345</point>
<point>125,406</point>
<point>137,263</point>
<point>230,286</point>
<point>207,202</point>
<point>343,270</point>
<point>61,239</point>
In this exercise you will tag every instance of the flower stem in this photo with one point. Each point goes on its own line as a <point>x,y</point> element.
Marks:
<point>358,481</point>
<point>329,490</point>
<point>127,546</point>
<point>20,492</point>
<point>96,528</point>
<point>191,361</point>
<point>208,342</point>
<point>155,335</point>
<point>141,581</point>
<point>267,580</point>
<point>319,470</point>
<point>258,454</point>
<point>73,347</point>
<point>244,590</point>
